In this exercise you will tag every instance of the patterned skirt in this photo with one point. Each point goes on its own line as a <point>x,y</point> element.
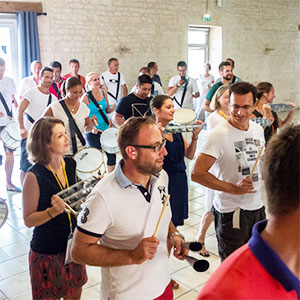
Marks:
<point>51,278</point>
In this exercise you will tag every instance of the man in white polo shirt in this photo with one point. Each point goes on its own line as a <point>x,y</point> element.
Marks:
<point>231,150</point>
<point>31,108</point>
<point>183,89</point>
<point>115,229</point>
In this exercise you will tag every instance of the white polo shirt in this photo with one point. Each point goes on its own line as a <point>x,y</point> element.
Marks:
<point>111,80</point>
<point>192,88</point>
<point>7,89</point>
<point>117,212</point>
<point>37,104</point>
<point>235,152</point>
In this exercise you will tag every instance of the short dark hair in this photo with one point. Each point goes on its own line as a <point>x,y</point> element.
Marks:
<point>39,138</point>
<point>68,84</point>
<point>151,64</point>
<point>281,171</point>
<point>45,69</point>
<point>55,64</point>
<point>111,60</point>
<point>143,69</point>
<point>222,64</point>
<point>263,87</point>
<point>129,132</point>
<point>144,79</point>
<point>2,62</point>
<point>243,88</point>
<point>208,64</point>
<point>158,101</point>
<point>181,64</point>
<point>74,60</point>
<point>232,61</point>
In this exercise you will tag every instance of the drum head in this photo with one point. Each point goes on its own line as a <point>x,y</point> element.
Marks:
<point>3,212</point>
<point>109,138</point>
<point>88,160</point>
<point>184,116</point>
<point>13,130</point>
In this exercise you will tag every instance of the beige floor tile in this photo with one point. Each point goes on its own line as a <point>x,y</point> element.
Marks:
<point>90,294</point>
<point>11,238</point>
<point>16,223</point>
<point>18,249</point>
<point>23,261</point>
<point>192,220</point>
<point>199,211</point>
<point>27,232</point>
<point>2,296</point>
<point>193,206</point>
<point>94,276</point>
<point>15,285</point>
<point>211,244</point>
<point>183,289</point>
<point>191,295</point>
<point>6,228</point>
<point>193,194</point>
<point>199,288</point>
<point>189,233</point>
<point>9,268</point>
<point>24,296</point>
<point>176,264</point>
<point>3,256</point>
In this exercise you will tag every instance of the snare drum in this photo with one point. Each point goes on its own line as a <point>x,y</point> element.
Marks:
<point>3,212</point>
<point>184,116</point>
<point>108,140</point>
<point>88,162</point>
<point>10,135</point>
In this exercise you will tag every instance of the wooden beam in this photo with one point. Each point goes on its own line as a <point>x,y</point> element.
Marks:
<point>13,7</point>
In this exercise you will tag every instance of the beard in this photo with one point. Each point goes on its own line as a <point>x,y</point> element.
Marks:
<point>228,77</point>
<point>147,168</point>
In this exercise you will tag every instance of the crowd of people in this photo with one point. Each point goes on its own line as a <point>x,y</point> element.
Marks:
<point>58,116</point>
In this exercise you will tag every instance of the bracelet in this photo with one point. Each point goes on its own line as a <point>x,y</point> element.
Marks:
<point>48,212</point>
<point>194,139</point>
<point>176,233</point>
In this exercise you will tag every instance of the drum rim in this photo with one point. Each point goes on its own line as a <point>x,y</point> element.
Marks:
<point>6,214</point>
<point>184,109</point>
<point>87,172</point>
<point>5,132</point>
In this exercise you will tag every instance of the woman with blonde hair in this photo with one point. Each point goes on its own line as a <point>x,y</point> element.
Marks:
<point>220,103</point>
<point>96,100</point>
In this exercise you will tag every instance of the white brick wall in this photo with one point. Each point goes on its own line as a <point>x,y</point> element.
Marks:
<point>94,30</point>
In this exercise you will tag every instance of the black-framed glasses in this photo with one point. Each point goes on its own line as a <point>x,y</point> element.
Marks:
<point>238,107</point>
<point>156,147</point>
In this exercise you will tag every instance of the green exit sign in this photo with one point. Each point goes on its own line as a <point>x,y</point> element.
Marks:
<point>207,17</point>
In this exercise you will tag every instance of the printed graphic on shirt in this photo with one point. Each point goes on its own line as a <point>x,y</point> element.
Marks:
<point>163,194</point>
<point>137,109</point>
<point>245,153</point>
<point>84,215</point>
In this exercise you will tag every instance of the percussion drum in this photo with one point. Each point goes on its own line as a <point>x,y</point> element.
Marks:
<point>3,212</point>
<point>184,116</point>
<point>10,135</point>
<point>108,140</point>
<point>281,107</point>
<point>88,162</point>
<point>262,122</point>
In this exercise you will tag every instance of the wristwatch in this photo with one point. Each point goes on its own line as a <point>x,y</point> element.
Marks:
<point>176,233</point>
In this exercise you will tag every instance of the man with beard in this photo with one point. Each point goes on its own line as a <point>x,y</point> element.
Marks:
<point>225,70</point>
<point>32,106</point>
<point>136,104</point>
<point>231,150</point>
<point>115,228</point>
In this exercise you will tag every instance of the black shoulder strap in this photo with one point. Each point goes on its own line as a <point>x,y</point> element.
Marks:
<point>73,128</point>
<point>56,90</point>
<point>49,99</point>
<point>9,112</point>
<point>92,98</point>
<point>30,118</point>
<point>118,86</point>
<point>184,91</point>
<point>257,114</point>
<point>152,88</point>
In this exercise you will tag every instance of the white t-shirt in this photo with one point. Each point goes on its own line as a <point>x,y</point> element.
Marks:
<point>38,102</point>
<point>121,217</point>
<point>213,120</point>
<point>205,85</point>
<point>192,88</point>
<point>157,89</point>
<point>235,152</point>
<point>80,116</point>
<point>7,89</point>
<point>111,80</point>
<point>26,84</point>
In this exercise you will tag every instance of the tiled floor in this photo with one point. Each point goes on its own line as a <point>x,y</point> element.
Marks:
<point>15,238</point>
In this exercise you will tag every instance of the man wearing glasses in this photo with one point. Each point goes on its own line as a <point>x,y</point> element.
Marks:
<point>116,226</point>
<point>224,164</point>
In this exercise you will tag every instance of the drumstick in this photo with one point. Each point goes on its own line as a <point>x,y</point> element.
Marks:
<point>71,209</point>
<point>161,213</point>
<point>257,159</point>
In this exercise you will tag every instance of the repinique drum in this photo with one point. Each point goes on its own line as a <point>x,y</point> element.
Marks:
<point>108,140</point>
<point>3,211</point>
<point>10,135</point>
<point>184,116</point>
<point>281,107</point>
<point>88,162</point>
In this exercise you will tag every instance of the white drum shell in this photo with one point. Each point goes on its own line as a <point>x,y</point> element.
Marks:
<point>108,140</point>
<point>10,136</point>
<point>184,116</point>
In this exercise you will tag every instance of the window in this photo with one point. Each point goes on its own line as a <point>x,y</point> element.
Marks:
<point>9,45</point>
<point>198,42</point>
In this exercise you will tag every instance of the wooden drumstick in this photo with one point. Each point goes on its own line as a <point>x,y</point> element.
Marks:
<point>257,159</point>
<point>161,213</point>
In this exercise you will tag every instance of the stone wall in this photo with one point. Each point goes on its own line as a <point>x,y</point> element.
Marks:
<point>261,36</point>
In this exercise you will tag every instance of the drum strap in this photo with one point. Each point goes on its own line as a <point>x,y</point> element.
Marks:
<point>183,94</point>
<point>9,112</point>
<point>30,118</point>
<point>118,87</point>
<point>152,89</point>
<point>56,90</point>
<point>92,98</point>
<point>73,128</point>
